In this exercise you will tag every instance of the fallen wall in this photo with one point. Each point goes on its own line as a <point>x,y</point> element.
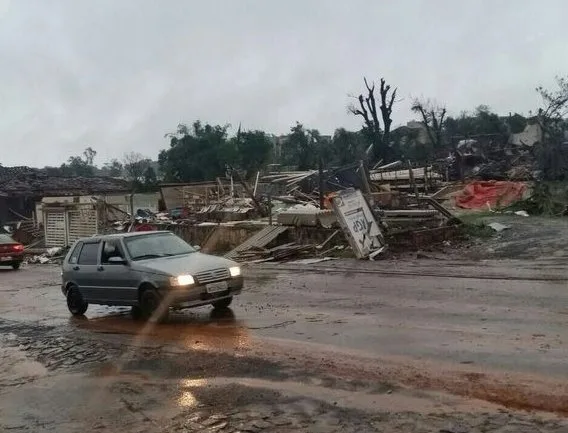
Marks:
<point>214,238</point>
<point>221,239</point>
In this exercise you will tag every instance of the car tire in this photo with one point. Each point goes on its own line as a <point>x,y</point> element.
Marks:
<point>75,301</point>
<point>221,304</point>
<point>136,312</point>
<point>16,266</point>
<point>150,306</point>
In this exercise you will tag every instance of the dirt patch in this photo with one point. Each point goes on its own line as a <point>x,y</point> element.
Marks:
<point>510,390</point>
<point>526,238</point>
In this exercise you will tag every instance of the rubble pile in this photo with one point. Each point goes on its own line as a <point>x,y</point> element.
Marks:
<point>491,158</point>
<point>365,208</point>
<point>48,256</point>
<point>278,253</point>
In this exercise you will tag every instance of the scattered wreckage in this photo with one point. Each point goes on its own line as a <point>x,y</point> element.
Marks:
<point>285,215</point>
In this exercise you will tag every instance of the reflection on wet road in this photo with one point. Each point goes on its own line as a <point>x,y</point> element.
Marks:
<point>465,320</point>
<point>199,329</point>
<point>299,342</point>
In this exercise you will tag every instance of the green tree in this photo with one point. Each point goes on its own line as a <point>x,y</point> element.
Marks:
<point>77,166</point>
<point>483,122</point>
<point>302,147</point>
<point>347,147</point>
<point>150,179</point>
<point>114,168</point>
<point>253,151</point>
<point>198,153</point>
<point>80,165</point>
<point>517,123</point>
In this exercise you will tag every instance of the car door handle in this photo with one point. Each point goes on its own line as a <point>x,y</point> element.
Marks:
<point>100,268</point>
<point>75,268</point>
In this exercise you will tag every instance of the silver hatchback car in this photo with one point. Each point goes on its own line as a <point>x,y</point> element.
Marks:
<point>149,271</point>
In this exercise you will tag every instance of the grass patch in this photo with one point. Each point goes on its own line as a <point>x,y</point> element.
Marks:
<point>478,229</point>
<point>547,199</point>
<point>475,218</point>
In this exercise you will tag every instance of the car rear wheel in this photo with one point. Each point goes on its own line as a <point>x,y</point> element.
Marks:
<point>16,266</point>
<point>152,307</point>
<point>75,302</point>
<point>222,303</point>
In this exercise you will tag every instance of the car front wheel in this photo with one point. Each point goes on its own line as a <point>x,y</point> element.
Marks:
<point>222,303</point>
<point>75,302</point>
<point>151,306</point>
<point>16,266</point>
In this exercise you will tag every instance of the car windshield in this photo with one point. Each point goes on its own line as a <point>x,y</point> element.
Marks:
<point>156,245</point>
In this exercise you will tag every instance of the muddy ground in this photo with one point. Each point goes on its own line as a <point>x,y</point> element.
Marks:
<point>396,346</point>
<point>532,238</point>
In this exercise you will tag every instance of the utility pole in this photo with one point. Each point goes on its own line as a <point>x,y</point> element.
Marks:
<point>320,176</point>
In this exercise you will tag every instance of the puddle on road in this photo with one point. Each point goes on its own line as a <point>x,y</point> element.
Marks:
<point>195,391</point>
<point>196,330</point>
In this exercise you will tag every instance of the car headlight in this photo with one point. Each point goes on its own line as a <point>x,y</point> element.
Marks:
<point>235,271</point>
<point>182,280</point>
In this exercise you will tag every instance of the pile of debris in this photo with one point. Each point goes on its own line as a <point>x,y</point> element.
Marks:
<point>351,213</point>
<point>278,253</point>
<point>53,255</point>
<point>492,157</point>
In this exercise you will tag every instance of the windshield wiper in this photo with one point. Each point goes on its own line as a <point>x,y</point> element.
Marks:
<point>147,256</point>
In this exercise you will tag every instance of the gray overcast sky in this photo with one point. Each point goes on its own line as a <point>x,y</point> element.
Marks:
<point>118,74</point>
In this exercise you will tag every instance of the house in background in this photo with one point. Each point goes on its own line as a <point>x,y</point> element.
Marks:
<point>21,188</point>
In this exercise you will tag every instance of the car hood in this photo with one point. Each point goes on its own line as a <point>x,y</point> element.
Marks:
<point>182,265</point>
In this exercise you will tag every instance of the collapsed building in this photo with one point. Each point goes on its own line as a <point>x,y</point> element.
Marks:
<point>33,202</point>
<point>281,214</point>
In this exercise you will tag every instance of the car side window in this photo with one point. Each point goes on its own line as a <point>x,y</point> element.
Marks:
<point>74,257</point>
<point>111,249</point>
<point>89,254</point>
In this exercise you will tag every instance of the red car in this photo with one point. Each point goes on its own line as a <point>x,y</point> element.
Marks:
<point>11,252</point>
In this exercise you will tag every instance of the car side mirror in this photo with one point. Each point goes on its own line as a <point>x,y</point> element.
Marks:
<point>197,248</point>
<point>117,261</point>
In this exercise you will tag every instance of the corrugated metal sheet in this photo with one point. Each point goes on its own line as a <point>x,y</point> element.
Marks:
<point>55,233</point>
<point>260,239</point>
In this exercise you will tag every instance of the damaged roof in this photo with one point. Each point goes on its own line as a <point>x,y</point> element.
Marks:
<point>26,181</point>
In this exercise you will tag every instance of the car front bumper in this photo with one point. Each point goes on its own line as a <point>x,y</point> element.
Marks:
<point>197,295</point>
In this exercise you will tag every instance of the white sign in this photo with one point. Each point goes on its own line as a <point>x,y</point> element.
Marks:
<point>358,223</point>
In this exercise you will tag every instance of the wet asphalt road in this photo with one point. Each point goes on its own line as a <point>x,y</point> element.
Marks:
<point>414,346</point>
<point>488,315</point>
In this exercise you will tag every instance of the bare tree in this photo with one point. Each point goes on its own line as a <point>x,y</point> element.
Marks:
<point>433,117</point>
<point>369,111</point>
<point>89,153</point>
<point>552,154</point>
<point>135,165</point>
<point>555,104</point>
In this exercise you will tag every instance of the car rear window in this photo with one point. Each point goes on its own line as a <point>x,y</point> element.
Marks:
<point>5,239</point>
<point>89,254</point>
<point>74,257</point>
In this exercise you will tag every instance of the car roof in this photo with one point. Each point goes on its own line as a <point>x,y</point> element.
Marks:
<point>122,235</point>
